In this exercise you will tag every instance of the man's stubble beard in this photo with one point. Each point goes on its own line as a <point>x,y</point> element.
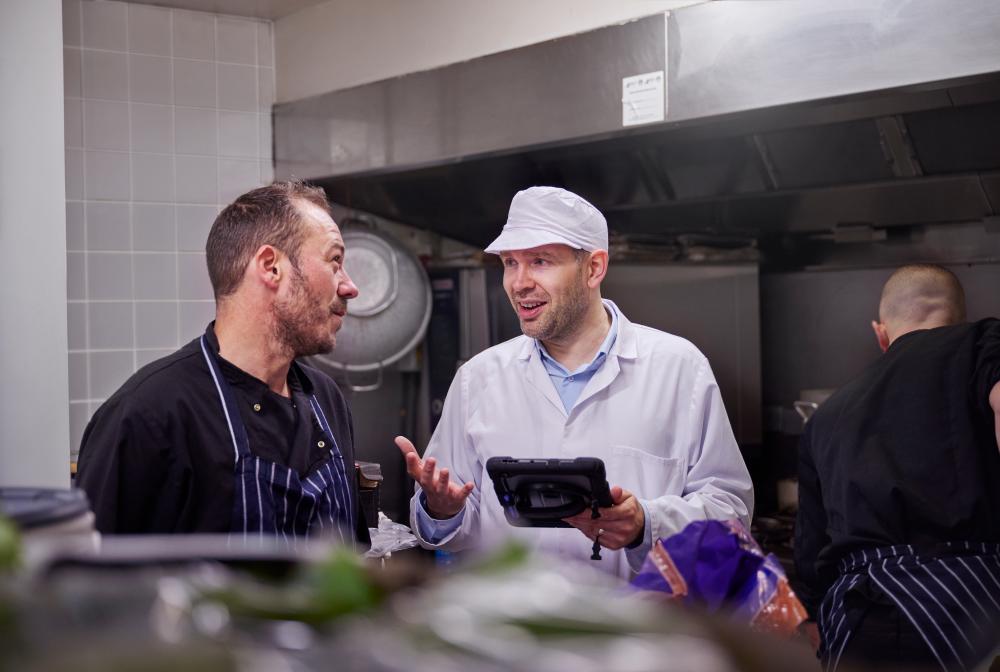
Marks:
<point>561,321</point>
<point>296,320</point>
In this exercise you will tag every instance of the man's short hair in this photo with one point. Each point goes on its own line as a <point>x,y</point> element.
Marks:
<point>916,291</point>
<point>265,216</point>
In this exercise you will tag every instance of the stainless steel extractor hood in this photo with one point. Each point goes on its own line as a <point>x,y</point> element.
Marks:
<point>782,118</point>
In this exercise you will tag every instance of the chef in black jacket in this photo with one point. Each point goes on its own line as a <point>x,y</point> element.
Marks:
<point>230,433</point>
<point>897,541</point>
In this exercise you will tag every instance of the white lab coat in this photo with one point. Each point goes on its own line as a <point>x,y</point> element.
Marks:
<point>652,412</point>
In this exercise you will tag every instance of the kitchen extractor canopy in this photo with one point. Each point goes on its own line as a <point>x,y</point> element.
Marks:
<point>726,119</point>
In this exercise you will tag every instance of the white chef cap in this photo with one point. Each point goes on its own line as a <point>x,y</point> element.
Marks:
<point>545,215</point>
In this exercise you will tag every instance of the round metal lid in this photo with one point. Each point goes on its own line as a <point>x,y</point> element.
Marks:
<point>390,315</point>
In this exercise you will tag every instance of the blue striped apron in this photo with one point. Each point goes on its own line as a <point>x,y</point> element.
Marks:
<point>951,595</point>
<point>272,499</point>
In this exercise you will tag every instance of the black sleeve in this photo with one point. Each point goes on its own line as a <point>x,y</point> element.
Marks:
<point>987,373</point>
<point>122,468</point>
<point>810,531</point>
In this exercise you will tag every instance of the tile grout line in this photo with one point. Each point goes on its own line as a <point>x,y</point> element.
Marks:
<point>86,221</point>
<point>256,88</point>
<point>142,53</point>
<point>172,15</point>
<point>131,180</point>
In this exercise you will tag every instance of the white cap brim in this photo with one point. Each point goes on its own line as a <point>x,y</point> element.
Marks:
<point>525,238</point>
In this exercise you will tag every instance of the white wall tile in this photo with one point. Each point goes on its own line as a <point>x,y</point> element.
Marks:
<point>156,276</point>
<point>236,177</point>
<point>153,227</point>
<point>192,277</point>
<point>237,87</point>
<point>72,73</point>
<point>71,22</point>
<point>265,44</point>
<point>193,224</point>
<point>105,25</point>
<point>152,128</point>
<point>108,370</point>
<point>150,79</point>
<point>109,276</point>
<point>105,74</point>
<point>238,134</point>
<point>156,324</point>
<point>108,227</point>
<point>266,139</point>
<point>153,178</point>
<point>76,276</point>
<point>78,383</point>
<point>105,124</point>
<point>194,83</point>
<point>74,173</point>
<point>197,179</point>
<point>107,175</point>
<point>196,131</point>
<point>148,30</point>
<point>194,35</point>
<point>79,416</point>
<point>194,317</point>
<point>76,322</point>
<point>236,40</point>
<point>265,89</point>
<point>76,232</point>
<point>266,172</point>
<point>73,126</point>
<point>110,325</point>
<point>148,114</point>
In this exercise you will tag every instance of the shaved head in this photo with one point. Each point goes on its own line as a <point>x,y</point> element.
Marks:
<point>919,296</point>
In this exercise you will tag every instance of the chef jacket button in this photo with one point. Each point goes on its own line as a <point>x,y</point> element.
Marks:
<point>321,444</point>
<point>256,407</point>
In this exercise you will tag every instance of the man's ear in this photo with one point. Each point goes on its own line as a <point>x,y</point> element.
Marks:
<point>266,266</point>
<point>881,335</point>
<point>597,268</point>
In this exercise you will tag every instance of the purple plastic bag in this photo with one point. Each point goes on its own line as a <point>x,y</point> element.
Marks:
<point>717,565</point>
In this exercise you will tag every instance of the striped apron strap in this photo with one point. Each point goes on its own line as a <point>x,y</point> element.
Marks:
<point>242,457</point>
<point>338,474</point>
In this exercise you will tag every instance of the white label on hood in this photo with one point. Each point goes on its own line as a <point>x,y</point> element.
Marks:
<point>643,98</point>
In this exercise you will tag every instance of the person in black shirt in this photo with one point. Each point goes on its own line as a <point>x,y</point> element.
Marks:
<point>897,541</point>
<point>231,434</point>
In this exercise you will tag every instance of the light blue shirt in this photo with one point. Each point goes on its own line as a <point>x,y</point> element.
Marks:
<point>568,386</point>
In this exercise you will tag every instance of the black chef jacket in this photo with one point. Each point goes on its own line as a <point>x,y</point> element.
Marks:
<point>904,454</point>
<point>157,456</point>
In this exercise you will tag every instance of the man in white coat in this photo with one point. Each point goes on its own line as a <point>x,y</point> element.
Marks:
<point>581,381</point>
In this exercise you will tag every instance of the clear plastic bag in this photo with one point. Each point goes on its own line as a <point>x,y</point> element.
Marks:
<point>389,537</point>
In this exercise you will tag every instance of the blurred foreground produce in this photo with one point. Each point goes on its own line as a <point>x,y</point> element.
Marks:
<point>10,546</point>
<point>510,611</point>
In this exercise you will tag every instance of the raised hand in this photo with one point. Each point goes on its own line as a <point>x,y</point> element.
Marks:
<point>444,498</point>
<point>618,526</point>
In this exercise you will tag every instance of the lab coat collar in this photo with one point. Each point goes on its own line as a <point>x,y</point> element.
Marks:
<point>624,347</point>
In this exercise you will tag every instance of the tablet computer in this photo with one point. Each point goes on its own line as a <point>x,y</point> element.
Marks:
<point>541,492</point>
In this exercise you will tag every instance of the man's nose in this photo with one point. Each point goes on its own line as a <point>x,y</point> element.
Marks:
<point>522,279</point>
<point>346,289</point>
